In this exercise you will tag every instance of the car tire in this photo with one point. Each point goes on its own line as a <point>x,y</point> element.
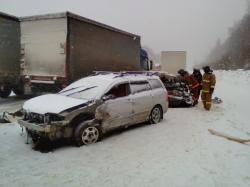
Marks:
<point>5,92</point>
<point>87,133</point>
<point>156,115</point>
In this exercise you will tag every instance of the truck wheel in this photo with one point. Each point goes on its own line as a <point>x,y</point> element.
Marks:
<point>156,115</point>
<point>5,91</point>
<point>18,91</point>
<point>86,133</point>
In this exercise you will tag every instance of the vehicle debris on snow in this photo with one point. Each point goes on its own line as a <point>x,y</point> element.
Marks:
<point>231,138</point>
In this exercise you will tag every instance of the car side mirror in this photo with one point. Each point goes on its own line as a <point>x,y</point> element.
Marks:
<point>108,97</point>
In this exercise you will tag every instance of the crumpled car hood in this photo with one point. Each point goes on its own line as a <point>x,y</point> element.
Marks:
<point>51,103</point>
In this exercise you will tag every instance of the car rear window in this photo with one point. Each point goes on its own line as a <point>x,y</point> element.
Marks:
<point>139,86</point>
<point>154,83</point>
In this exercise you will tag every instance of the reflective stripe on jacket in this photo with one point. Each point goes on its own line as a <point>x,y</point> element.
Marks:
<point>195,86</point>
<point>191,81</point>
<point>208,82</point>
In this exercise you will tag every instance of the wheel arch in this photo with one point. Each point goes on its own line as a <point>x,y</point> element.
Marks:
<point>81,118</point>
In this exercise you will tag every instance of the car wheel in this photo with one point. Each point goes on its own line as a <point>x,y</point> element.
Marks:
<point>5,91</point>
<point>156,115</point>
<point>86,134</point>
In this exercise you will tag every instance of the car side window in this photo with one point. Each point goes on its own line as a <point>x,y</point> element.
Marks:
<point>139,86</point>
<point>119,90</point>
<point>154,83</point>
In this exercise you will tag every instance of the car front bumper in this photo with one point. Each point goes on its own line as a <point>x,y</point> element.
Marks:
<point>35,127</point>
<point>42,128</point>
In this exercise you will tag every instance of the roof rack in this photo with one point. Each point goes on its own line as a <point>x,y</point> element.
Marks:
<point>125,73</point>
<point>105,72</point>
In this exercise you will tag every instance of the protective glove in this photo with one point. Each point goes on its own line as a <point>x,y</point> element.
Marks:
<point>211,90</point>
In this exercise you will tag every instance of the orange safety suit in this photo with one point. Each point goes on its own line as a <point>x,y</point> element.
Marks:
<point>208,84</point>
<point>193,86</point>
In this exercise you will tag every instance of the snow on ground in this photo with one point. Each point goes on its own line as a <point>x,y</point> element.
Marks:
<point>11,104</point>
<point>178,152</point>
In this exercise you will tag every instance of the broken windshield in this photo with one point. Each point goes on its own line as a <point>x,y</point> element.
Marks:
<point>71,89</point>
<point>82,92</point>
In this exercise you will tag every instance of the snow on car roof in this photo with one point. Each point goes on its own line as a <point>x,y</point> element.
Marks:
<point>106,79</point>
<point>140,77</point>
<point>97,80</point>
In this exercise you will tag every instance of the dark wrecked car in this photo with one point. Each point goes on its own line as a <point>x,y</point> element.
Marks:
<point>179,95</point>
<point>178,92</point>
<point>95,105</point>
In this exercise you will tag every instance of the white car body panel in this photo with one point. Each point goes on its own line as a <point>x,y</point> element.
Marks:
<point>142,105</point>
<point>160,96</point>
<point>116,112</point>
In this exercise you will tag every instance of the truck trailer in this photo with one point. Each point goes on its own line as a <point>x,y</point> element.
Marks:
<point>9,55</point>
<point>172,61</point>
<point>57,49</point>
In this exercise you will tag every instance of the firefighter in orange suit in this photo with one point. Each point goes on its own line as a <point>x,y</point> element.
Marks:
<point>208,84</point>
<point>192,83</point>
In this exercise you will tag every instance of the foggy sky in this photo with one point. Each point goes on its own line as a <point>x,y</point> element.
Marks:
<point>192,25</point>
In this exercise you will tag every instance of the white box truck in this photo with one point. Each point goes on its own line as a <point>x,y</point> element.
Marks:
<point>172,61</point>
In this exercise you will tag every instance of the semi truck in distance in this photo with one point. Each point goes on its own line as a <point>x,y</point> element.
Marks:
<point>9,55</point>
<point>172,61</point>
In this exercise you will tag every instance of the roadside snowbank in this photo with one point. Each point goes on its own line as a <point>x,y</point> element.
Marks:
<point>177,152</point>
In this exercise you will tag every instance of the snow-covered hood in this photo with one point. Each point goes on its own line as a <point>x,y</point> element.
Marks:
<point>51,103</point>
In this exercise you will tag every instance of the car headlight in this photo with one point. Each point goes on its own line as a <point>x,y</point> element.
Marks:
<point>48,118</point>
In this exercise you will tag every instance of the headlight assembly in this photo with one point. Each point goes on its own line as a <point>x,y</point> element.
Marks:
<point>48,118</point>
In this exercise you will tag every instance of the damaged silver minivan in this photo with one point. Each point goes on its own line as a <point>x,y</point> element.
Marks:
<point>94,105</point>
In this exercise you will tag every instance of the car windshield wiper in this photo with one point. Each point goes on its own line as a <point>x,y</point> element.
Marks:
<point>81,90</point>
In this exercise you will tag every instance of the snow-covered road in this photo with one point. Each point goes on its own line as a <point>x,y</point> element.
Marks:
<point>178,152</point>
